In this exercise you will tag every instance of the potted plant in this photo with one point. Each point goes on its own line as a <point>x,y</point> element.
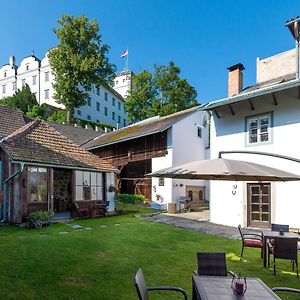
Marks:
<point>111,188</point>
<point>39,218</point>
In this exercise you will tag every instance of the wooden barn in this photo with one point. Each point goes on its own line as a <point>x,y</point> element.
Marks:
<point>153,144</point>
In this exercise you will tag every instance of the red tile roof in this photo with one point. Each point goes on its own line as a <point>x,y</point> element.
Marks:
<point>11,119</point>
<point>38,142</point>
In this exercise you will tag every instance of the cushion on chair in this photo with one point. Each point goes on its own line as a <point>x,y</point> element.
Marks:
<point>82,209</point>
<point>253,243</point>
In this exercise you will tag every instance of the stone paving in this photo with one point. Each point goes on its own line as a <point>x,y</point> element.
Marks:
<point>196,225</point>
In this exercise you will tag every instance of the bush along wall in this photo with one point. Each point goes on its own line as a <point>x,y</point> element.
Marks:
<point>130,199</point>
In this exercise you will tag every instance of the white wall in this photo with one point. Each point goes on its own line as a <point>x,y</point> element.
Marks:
<point>184,145</point>
<point>230,135</point>
<point>159,163</point>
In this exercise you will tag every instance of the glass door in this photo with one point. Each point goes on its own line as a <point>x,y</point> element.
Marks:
<point>259,205</point>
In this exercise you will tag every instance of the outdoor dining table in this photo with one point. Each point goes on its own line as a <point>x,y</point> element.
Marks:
<point>268,234</point>
<point>219,287</point>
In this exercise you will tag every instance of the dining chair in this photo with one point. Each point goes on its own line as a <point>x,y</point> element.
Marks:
<point>252,240</point>
<point>212,264</point>
<point>142,290</point>
<point>283,248</point>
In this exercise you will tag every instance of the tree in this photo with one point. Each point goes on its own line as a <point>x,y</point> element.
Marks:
<point>175,94</point>
<point>160,94</point>
<point>79,61</point>
<point>23,99</point>
<point>139,104</point>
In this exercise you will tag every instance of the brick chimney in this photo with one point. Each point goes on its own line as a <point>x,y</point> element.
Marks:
<point>235,79</point>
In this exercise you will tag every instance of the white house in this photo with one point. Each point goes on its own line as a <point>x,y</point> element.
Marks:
<point>154,144</point>
<point>105,104</point>
<point>265,118</point>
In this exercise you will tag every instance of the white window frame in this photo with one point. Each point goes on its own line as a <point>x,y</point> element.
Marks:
<point>34,78</point>
<point>259,129</point>
<point>47,96</point>
<point>47,76</point>
<point>4,88</point>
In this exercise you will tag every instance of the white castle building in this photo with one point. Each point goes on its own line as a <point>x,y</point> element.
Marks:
<point>106,105</point>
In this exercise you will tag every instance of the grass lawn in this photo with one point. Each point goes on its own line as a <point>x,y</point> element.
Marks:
<point>60,262</point>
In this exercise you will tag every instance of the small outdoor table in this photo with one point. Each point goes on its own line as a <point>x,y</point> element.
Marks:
<point>219,287</point>
<point>268,234</point>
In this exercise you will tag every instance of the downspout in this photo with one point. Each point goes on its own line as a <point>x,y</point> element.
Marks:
<point>5,189</point>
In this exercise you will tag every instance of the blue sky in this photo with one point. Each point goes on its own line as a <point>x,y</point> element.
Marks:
<point>202,37</point>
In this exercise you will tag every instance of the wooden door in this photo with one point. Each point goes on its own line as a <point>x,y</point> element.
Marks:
<point>259,205</point>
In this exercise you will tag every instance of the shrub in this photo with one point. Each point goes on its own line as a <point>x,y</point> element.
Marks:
<point>130,199</point>
<point>40,216</point>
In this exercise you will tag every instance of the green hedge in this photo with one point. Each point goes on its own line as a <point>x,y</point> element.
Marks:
<point>130,199</point>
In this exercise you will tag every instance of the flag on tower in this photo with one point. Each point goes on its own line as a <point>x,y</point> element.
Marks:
<point>125,53</point>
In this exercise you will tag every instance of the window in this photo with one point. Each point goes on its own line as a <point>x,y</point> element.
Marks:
<point>14,86</point>
<point>117,81</point>
<point>119,105</point>
<point>23,82</point>
<point>89,101</point>
<point>4,88</point>
<point>27,67</point>
<point>37,184</point>
<point>119,119</point>
<point>79,112</point>
<point>105,110</point>
<point>124,123</point>
<point>88,186</point>
<point>105,96</point>
<point>46,94</point>
<point>46,76</point>
<point>199,132</point>
<point>113,115</point>
<point>5,74</point>
<point>113,101</point>
<point>34,80</point>
<point>98,91</point>
<point>259,129</point>
<point>98,106</point>
<point>161,181</point>
<point>89,117</point>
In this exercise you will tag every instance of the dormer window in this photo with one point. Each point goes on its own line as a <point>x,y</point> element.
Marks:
<point>27,67</point>
<point>5,75</point>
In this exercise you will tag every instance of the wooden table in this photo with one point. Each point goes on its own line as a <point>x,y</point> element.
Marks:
<point>219,287</point>
<point>267,234</point>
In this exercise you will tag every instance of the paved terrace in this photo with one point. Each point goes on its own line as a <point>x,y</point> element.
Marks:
<point>191,222</point>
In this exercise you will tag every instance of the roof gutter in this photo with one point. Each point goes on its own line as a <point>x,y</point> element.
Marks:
<point>64,167</point>
<point>259,92</point>
<point>6,208</point>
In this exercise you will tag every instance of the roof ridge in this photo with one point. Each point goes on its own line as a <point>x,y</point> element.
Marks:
<point>22,130</point>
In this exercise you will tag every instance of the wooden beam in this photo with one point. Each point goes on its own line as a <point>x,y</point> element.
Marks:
<point>216,112</point>
<point>274,99</point>
<point>251,104</point>
<point>231,109</point>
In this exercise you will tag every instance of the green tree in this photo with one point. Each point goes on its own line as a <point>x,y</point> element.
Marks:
<point>162,93</point>
<point>140,102</point>
<point>38,111</point>
<point>175,94</point>
<point>79,61</point>
<point>23,99</point>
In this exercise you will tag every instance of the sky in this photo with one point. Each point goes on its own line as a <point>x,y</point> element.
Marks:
<point>202,37</point>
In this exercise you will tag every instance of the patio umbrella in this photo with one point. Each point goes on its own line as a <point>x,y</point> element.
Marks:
<point>225,169</point>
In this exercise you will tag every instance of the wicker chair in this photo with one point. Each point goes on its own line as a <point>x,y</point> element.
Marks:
<point>142,289</point>
<point>252,240</point>
<point>212,264</point>
<point>283,248</point>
